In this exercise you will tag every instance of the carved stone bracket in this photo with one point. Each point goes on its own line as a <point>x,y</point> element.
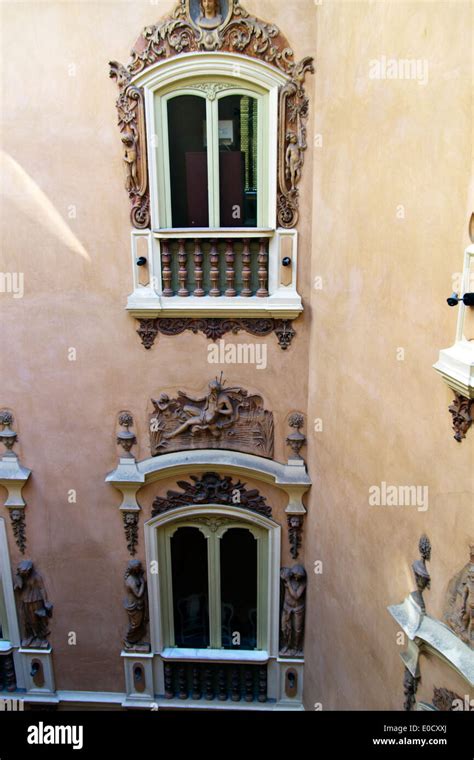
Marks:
<point>130,524</point>
<point>228,27</point>
<point>212,488</point>
<point>295,533</point>
<point>17,517</point>
<point>215,328</point>
<point>13,477</point>
<point>461,410</point>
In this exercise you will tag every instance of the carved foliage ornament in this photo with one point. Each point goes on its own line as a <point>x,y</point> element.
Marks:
<point>214,328</point>
<point>221,417</point>
<point>211,488</point>
<point>211,25</point>
<point>462,413</point>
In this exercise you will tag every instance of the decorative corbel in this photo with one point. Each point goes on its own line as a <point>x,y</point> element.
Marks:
<point>410,687</point>
<point>13,477</point>
<point>130,524</point>
<point>461,410</point>
<point>295,533</point>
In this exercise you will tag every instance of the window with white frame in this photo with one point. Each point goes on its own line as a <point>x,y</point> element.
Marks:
<point>211,599</point>
<point>212,156</point>
<point>4,635</point>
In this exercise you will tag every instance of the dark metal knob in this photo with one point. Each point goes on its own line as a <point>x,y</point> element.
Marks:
<point>141,261</point>
<point>286,262</point>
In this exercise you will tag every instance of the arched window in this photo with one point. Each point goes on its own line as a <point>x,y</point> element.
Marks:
<point>213,583</point>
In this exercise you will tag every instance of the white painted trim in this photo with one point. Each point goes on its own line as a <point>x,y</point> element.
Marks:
<point>155,597</point>
<point>456,364</point>
<point>234,65</point>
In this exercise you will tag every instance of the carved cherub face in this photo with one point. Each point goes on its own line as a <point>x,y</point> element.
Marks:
<point>135,567</point>
<point>210,8</point>
<point>25,568</point>
<point>298,573</point>
<point>130,519</point>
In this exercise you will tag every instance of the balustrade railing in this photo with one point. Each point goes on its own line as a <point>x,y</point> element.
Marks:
<point>7,673</point>
<point>234,267</point>
<point>215,681</point>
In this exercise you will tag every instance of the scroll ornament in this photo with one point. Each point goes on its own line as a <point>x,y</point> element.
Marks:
<point>214,25</point>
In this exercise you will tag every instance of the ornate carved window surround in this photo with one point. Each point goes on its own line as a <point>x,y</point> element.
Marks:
<point>217,276</point>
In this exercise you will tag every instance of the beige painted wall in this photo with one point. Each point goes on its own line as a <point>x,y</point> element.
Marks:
<point>385,281</point>
<point>62,149</point>
<point>385,144</point>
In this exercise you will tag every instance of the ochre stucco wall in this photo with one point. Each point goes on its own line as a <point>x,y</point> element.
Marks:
<point>62,148</point>
<point>385,281</point>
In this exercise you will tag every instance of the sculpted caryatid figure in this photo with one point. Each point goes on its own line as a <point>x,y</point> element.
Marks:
<point>216,412</point>
<point>34,606</point>
<point>459,614</point>
<point>130,159</point>
<point>210,15</point>
<point>136,606</point>
<point>294,161</point>
<point>293,612</point>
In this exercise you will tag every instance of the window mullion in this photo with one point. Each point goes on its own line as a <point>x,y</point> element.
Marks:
<point>215,638</point>
<point>165,191</point>
<point>213,161</point>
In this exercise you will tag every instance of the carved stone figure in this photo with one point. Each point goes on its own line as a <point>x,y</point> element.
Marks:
<point>293,613</point>
<point>130,160</point>
<point>420,571</point>
<point>35,609</point>
<point>294,161</point>
<point>214,413</point>
<point>221,418</point>
<point>459,608</point>
<point>136,606</point>
<point>210,16</point>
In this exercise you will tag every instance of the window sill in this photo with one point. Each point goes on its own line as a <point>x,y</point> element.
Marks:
<point>144,303</point>
<point>214,232</point>
<point>215,655</point>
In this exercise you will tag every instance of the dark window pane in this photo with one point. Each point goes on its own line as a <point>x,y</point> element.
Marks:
<point>190,588</point>
<point>238,138</point>
<point>239,589</point>
<point>188,161</point>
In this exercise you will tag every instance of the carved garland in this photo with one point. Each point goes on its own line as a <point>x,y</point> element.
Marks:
<point>215,328</point>
<point>211,488</point>
<point>234,30</point>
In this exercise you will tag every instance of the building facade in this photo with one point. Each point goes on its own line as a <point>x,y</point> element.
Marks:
<point>231,477</point>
